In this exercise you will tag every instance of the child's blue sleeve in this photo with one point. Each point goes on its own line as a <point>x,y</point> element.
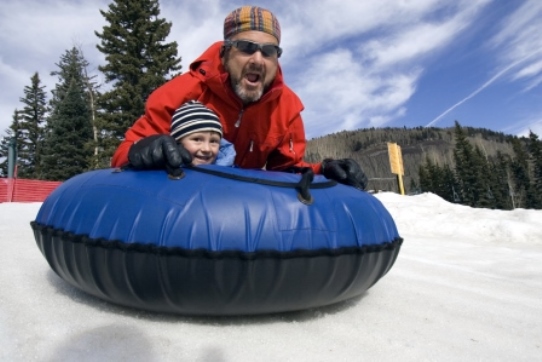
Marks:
<point>226,153</point>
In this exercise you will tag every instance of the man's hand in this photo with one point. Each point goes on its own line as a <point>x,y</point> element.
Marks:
<point>159,151</point>
<point>345,171</point>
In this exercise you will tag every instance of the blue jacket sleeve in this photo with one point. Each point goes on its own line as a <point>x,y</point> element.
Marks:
<point>226,154</point>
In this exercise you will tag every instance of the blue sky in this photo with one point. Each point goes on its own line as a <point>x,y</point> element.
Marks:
<point>361,64</point>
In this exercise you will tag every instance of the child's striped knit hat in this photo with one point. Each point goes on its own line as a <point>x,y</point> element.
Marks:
<point>194,117</point>
<point>251,18</point>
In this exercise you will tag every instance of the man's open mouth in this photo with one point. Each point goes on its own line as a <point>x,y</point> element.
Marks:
<point>253,78</point>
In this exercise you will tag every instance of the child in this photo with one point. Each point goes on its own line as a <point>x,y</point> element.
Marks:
<point>198,129</point>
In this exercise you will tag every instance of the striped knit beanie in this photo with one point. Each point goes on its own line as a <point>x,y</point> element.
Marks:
<point>194,117</point>
<point>251,18</point>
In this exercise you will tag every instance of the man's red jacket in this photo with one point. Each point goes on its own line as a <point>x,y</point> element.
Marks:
<point>268,133</point>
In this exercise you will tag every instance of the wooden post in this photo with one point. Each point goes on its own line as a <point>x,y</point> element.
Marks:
<point>396,163</point>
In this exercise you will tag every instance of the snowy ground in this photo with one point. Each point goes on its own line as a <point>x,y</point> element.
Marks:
<point>467,286</point>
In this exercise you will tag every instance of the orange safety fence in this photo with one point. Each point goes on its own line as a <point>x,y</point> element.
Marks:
<point>24,190</point>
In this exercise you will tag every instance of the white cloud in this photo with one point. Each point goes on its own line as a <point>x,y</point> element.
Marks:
<point>11,73</point>
<point>340,94</point>
<point>9,99</point>
<point>527,125</point>
<point>519,49</point>
<point>534,82</point>
<point>378,75</point>
<point>369,82</point>
<point>33,36</point>
<point>195,26</point>
<point>488,83</point>
<point>519,39</point>
<point>327,21</point>
<point>38,29</point>
<point>411,43</point>
<point>530,70</point>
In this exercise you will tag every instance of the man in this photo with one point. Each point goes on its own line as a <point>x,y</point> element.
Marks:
<point>241,81</point>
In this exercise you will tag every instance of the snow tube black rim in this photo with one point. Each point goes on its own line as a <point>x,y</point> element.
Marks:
<point>200,282</point>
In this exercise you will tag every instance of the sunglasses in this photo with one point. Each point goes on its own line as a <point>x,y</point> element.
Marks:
<point>249,47</point>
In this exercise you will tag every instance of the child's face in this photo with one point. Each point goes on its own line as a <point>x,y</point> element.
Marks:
<point>203,146</point>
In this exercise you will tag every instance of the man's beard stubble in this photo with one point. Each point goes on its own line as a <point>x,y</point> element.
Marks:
<point>245,96</point>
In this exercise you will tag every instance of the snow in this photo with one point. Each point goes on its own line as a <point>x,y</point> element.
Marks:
<point>467,285</point>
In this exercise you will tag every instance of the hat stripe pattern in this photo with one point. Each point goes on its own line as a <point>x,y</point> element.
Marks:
<point>251,18</point>
<point>194,117</point>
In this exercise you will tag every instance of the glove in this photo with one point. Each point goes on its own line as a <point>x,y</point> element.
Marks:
<point>345,171</point>
<point>159,151</point>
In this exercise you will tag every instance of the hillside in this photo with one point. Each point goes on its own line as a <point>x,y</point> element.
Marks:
<point>369,147</point>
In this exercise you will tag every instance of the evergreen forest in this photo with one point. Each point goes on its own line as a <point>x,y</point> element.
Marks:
<point>79,126</point>
<point>471,166</point>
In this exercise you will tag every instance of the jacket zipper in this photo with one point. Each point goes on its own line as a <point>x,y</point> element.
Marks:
<point>292,144</point>
<point>238,122</point>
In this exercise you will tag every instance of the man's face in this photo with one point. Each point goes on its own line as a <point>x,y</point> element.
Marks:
<point>251,74</point>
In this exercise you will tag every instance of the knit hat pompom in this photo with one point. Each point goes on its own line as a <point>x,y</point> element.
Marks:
<point>194,117</point>
<point>251,18</point>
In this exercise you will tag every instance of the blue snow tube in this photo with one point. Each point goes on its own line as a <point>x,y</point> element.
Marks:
<point>219,241</point>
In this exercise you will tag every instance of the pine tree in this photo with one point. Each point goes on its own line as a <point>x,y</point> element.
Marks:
<point>97,159</point>
<point>13,134</point>
<point>499,182</point>
<point>425,180</point>
<point>463,156</point>
<point>450,185</point>
<point>485,197</point>
<point>535,148</point>
<point>4,150</point>
<point>522,180</point>
<point>69,130</point>
<point>436,176</point>
<point>414,189</point>
<point>138,61</point>
<point>471,170</point>
<point>439,180</point>
<point>31,126</point>
<point>70,69</point>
